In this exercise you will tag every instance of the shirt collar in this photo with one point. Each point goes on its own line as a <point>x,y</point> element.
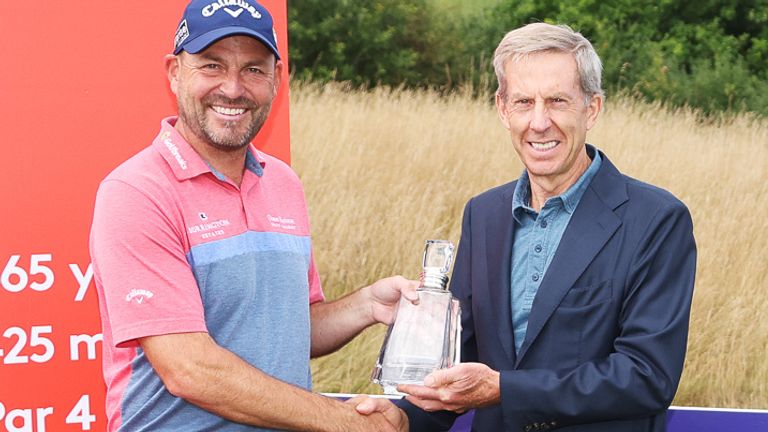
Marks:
<point>521,197</point>
<point>186,163</point>
<point>570,198</point>
<point>573,195</point>
<point>254,161</point>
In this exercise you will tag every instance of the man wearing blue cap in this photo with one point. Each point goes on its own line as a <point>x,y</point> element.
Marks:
<point>210,301</point>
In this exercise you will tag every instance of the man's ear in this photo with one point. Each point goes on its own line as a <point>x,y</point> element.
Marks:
<point>501,110</point>
<point>278,76</point>
<point>594,107</point>
<point>172,68</point>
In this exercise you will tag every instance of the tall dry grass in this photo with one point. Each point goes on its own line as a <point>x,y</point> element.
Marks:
<point>385,170</point>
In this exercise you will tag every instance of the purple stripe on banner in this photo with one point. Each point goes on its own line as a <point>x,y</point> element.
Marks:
<point>463,423</point>
<point>679,419</point>
<point>700,420</point>
<point>685,420</point>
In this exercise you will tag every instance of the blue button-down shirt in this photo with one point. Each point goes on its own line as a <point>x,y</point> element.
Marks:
<point>537,236</point>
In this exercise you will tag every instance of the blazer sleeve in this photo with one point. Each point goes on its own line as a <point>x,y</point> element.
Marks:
<point>640,376</point>
<point>460,288</point>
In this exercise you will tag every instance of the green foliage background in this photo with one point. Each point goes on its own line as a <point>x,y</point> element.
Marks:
<point>709,54</point>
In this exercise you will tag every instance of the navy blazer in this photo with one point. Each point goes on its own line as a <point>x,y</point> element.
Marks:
<point>607,332</point>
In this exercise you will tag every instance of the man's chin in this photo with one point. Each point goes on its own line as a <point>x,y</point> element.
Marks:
<point>228,146</point>
<point>232,136</point>
<point>226,140</point>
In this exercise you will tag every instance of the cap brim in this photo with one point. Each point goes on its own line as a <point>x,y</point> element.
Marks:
<point>194,46</point>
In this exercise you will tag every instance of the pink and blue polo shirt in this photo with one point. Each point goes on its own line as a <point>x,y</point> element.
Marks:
<point>177,248</point>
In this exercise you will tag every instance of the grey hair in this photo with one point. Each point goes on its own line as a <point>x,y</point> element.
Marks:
<point>539,37</point>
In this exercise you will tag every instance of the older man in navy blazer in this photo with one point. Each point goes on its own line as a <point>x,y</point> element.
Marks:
<point>575,280</point>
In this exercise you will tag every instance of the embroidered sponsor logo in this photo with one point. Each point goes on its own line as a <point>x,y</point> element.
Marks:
<point>182,33</point>
<point>139,294</point>
<point>281,222</point>
<point>238,7</point>
<point>165,137</point>
<point>209,229</point>
<point>208,226</point>
<point>234,14</point>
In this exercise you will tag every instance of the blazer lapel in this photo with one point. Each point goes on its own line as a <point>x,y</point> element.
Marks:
<point>592,224</point>
<point>498,253</point>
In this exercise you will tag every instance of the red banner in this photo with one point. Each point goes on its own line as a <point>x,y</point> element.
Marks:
<point>83,88</point>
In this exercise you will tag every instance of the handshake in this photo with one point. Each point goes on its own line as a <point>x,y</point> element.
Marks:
<point>421,351</point>
<point>457,389</point>
<point>425,335</point>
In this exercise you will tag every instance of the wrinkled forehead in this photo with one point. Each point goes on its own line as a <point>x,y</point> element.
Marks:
<point>551,70</point>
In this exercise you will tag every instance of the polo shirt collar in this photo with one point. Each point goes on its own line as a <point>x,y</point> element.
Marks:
<point>254,161</point>
<point>186,163</point>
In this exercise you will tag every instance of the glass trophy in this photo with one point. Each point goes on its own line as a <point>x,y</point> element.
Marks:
<point>423,337</point>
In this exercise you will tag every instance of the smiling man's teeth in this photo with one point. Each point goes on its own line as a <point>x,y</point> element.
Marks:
<point>543,145</point>
<point>228,111</point>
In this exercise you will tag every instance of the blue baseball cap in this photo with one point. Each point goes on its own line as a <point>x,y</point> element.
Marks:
<point>206,21</point>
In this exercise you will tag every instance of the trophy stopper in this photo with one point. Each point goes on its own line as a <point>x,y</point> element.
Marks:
<point>438,256</point>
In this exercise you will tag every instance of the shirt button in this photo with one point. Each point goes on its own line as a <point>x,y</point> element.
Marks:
<point>537,249</point>
<point>544,224</point>
<point>535,277</point>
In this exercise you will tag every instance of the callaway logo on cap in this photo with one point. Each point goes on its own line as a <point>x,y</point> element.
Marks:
<point>206,21</point>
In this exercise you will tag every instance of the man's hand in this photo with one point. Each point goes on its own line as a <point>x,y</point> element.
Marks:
<point>368,405</point>
<point>384,295</point>
<point>335,323</point>
<point>462,387</point>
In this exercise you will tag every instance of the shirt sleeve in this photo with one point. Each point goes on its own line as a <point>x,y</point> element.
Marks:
<point>315,290</point>
<point>142,275</point>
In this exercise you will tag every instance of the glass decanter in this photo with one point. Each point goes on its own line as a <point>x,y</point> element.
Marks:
<point>426,336</point>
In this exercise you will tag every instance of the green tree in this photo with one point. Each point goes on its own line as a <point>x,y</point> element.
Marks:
<point>389,42</point>
<point>710,54</point>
